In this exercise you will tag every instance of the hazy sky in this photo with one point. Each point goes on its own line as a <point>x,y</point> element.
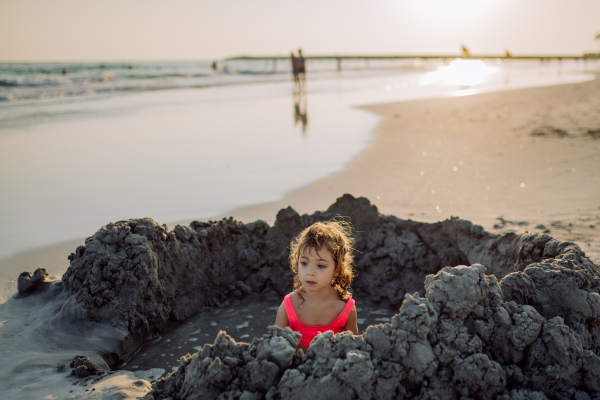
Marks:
<point>73,30</point>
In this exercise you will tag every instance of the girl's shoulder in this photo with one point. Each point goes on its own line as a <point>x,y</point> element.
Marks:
<point>345,303</point>
<point>349,302</point>
<point>296,299</point>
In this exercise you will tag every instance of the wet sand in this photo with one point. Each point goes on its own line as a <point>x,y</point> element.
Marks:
<point>52,257</point>
<point>512,161</point>
<point>243,323</point>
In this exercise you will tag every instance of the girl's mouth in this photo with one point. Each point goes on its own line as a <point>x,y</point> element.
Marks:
<point>310,283</point>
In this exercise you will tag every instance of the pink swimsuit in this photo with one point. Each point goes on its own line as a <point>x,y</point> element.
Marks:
<point>309,332</point>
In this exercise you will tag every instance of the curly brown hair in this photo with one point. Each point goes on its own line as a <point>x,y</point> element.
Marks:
<point>335,236</point>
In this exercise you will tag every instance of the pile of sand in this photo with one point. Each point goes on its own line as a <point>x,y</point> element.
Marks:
<point>536,333</point>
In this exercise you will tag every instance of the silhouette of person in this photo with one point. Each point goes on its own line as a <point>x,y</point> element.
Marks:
<point>294,62</point>
<point>214,66</point>
<point>465,51</point>
<point>64,71</point>
<point>301,68</point>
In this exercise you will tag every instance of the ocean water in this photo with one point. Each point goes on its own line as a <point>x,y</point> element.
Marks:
<point>35,81</point>
<point>177,141</point>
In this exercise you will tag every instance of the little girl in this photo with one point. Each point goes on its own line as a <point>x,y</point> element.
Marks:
<point>321,260</point>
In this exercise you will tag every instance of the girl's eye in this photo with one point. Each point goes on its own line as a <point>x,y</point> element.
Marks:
<point>322,266</point>
<point>303,263</point>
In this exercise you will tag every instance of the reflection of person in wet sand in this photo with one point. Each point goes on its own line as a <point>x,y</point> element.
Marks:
<point>300,112</point>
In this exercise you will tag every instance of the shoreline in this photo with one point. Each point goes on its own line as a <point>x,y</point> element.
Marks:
<point>390,168</point>
<point>484,130</point>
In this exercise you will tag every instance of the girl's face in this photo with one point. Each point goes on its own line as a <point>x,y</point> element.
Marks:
<point>316,269</point>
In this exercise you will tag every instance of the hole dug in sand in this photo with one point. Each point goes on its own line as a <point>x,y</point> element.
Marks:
<point>459,332</point>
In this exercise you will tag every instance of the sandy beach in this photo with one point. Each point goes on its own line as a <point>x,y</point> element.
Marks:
<point>495,141</point>
<point>168,172</point>
<point>512,161</point>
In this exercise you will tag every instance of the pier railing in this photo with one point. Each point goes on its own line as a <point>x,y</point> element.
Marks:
<point>355,57</point>
<point>423,56</point>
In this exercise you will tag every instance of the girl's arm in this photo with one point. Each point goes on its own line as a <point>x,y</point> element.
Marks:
<point>351,323</point>
<point>282,319</point>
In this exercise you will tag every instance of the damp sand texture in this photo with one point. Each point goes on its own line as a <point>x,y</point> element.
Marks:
<point>481,315</point>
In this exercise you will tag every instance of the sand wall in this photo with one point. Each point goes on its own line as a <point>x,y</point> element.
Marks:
<point>534,335</point>
<point>141,277</point>
<point>460,334</point>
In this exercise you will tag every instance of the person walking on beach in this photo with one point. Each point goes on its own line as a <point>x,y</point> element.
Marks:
<point>301,68</point>
<point>321,259</point>
<point>294,61</point>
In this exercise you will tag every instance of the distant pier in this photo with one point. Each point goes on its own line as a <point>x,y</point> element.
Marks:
<point>421,56</point>
<point>340,58</point>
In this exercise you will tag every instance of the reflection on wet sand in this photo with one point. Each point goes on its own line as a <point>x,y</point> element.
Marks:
<point>300,110</point>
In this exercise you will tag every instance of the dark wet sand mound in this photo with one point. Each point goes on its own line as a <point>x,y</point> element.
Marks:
<point>533,336</point>
<point>536,334</point>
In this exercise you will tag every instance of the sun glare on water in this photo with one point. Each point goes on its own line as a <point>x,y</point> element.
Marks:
<point>461,73</point>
